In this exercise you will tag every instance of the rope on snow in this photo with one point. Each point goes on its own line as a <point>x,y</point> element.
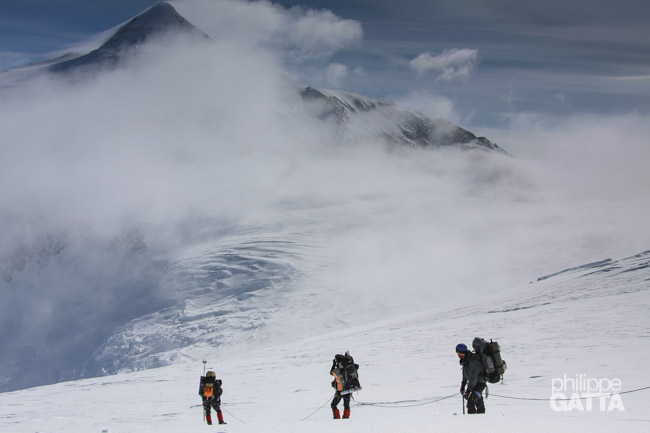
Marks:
<point>229,413</point>
<point>430,400</point>
<point>399,404</point>
<point>578,397</point>
<point>326,401</point>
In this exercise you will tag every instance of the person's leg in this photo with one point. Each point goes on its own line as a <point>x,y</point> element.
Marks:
<point>335,403</point>
<point>216,405</point>
<point>346,406</point>
<point>206,409</point>
<point>480,404</point>
<point>471,404</point>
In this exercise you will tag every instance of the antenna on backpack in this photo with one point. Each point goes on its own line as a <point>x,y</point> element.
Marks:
<point>204,362</point>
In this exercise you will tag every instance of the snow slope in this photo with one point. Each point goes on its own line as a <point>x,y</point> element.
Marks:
<point>589,320</point>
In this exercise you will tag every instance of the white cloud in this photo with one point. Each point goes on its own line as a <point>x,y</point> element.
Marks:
<point>319,33</point>
<point>450,64</point>
<point>335,73</point>
<point>583,157</point>
<point>297,33</point>
<point>432,105</point>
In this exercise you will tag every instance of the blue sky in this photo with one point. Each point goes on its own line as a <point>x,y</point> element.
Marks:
<point>480,61</point>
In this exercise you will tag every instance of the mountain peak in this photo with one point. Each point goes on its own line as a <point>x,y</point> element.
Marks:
<point>160,19</point>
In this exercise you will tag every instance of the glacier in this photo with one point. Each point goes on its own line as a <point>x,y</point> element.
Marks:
<point>589,322</point>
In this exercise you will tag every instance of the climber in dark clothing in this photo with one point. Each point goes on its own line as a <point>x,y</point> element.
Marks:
<point>210,391</point>
<point>346,381</point>
<point>473,382</point>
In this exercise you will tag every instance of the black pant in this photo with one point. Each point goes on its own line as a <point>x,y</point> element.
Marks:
<point>475,403</point>
<point>337,398</point>
<point>214,403</point>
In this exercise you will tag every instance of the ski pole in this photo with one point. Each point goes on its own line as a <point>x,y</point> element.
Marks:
<point>203,406</point>
<point>462,399</point>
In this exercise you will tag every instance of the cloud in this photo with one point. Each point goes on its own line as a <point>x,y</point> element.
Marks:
<point>593,157</point>
<point>450,64</point>
<point>298,33</point>
<point>335,73</point>
<point>320,33</point>
<point>432,105</point>
<point>194,144</point>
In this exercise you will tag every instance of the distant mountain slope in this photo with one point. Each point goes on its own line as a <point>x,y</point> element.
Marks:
<point>362,117</point>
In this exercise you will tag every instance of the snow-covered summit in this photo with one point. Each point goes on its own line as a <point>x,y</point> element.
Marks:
<point>364,118</point>
<point>159,20</point>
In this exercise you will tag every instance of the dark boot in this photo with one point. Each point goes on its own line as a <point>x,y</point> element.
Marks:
<point>337,414</point>
<point>480,406</point>
<point>346,413</point>
<point>220,417</point>
<point>208,419</point>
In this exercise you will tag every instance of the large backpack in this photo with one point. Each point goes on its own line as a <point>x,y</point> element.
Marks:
<point>347,372</point>
<point>490,355</point>
<point>210,387</point>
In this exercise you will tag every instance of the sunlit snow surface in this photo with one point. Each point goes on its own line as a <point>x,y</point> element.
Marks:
<point>590,321</point>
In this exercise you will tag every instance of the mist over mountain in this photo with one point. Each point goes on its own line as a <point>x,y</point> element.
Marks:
<point>172,191</point>
<point>160,21</point>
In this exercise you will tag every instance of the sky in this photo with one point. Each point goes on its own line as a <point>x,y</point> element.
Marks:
<point>483,63</point>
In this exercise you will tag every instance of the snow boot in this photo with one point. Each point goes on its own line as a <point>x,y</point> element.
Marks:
<point>220,417</point>
<point>208,419</point>
<point>346,414</point>
<point>480,406</point>
<point>337,414</point>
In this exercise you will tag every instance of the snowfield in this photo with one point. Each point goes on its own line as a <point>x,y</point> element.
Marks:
<point>588,322</point>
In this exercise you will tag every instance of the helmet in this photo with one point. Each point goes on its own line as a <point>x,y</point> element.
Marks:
<point>210,374</point>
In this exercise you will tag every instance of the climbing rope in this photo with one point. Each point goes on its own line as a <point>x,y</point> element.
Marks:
<point>326,401</point>
<point>430,400</point>
<point>577,397</point>
<point>230,413</point>
<point>411,403</point>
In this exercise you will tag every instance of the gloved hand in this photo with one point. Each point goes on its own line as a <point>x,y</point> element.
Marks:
<point>462,387</point>
<point>468,393</point>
